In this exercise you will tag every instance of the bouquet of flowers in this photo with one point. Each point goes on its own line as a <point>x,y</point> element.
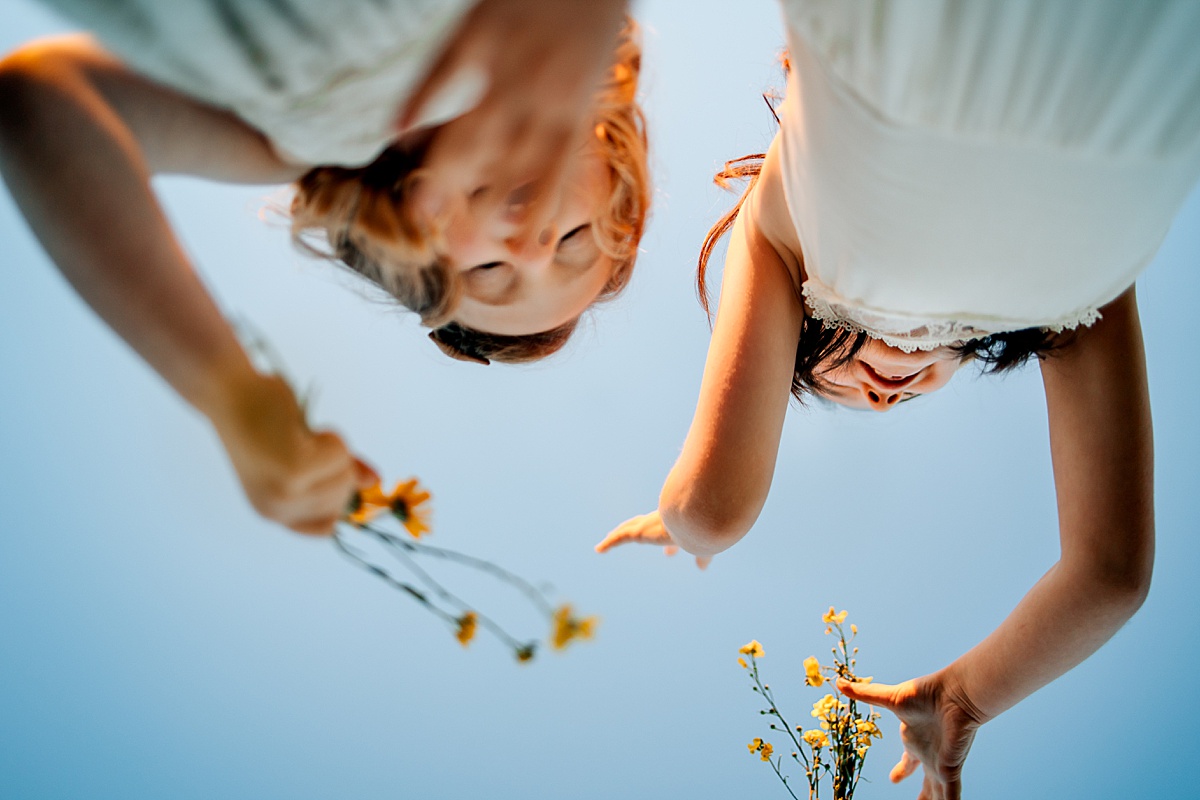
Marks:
<point>837,747</point>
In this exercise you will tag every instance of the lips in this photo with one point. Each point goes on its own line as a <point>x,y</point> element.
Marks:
<point>889,383</point>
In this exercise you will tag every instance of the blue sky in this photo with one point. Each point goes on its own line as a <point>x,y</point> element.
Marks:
<point>160,641</point>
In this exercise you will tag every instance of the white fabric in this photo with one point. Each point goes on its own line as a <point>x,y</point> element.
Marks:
<point>323,79</point>
<point>962,167</point>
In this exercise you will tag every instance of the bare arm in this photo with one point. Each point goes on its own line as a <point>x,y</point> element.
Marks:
<point>717,488</point>
<point>80,136</point>
<point>1102,450</point>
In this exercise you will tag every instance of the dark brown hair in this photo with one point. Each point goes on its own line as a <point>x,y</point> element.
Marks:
<point>365,217</point>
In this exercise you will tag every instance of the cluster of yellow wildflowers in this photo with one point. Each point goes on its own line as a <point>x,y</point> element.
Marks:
<point>837,747</point>
<point>406,505</point>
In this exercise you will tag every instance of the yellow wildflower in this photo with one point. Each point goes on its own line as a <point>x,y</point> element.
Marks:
<point>568,628</point>
<point>862,751</point>
<point>816,739</point>
<point>812,672</point>
<point>754,746</point>
<point>402,502</point>
<point>766,752</point>
<point>826,708</point>
<point>467,624</point>
<point>466,628</point>
<point>867,728</point>
<point>742,663</point>
<point>830,618</point>
<point>854,629</point>
<point>753,649</point>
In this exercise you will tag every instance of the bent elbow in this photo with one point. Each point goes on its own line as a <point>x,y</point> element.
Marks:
<point>703,531</point>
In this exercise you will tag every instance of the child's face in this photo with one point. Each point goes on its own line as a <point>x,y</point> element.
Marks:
<point>880,377</point>
<point>515,285</point>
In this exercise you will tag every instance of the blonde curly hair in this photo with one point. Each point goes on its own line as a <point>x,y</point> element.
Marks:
<point>368,224</point>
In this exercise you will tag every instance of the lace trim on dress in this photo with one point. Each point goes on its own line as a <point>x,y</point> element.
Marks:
<point>908,334</point>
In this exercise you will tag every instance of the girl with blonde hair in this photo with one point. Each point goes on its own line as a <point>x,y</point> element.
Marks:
<point>482,162</point>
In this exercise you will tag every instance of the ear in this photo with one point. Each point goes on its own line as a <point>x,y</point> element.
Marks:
<point>454,352</point>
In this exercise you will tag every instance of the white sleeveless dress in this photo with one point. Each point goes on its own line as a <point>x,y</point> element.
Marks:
<point>956,168</point>
<point>322,79</point>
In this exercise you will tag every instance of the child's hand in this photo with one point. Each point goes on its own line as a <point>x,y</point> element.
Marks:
<point>646,529</point>
<point>936,728</point>
<point>297,477</point>
<point>543,61</point>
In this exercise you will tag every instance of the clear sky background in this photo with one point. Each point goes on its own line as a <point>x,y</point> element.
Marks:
<point>158,640</point>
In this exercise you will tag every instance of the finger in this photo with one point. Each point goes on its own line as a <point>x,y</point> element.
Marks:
<point>365,475</point>
<point>906,766</point>
<point>877,694</point>
<point>670,549</point>
<point>327,456</point>
<point>703,561</point>
<point>315,527</point>
<point>624,535</point>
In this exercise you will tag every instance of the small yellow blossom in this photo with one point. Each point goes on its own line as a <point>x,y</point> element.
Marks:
<point>766,752</point>
<point>753,649</point>
<point>854,629</point>
<point>867,728</point>
<point>831,618</point>
<point>754,746</point>
<point>862,751</point>
<point>568,628</point>
<point>812,672</point>
<point>826,708</point>
<point>466,628</point>
<point>742,663</point>
<point>816,739</point>
<point>402,502</point>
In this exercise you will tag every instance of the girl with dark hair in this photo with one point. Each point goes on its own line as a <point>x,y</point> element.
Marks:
<point>956,181</point>
<point>483,161</point>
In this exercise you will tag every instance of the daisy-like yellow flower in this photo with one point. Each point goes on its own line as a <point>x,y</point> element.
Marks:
<point>403,502</point>
<point>830,618</point>
<point>742,663</point>
<point>567,628</point>
<point>766,752</point>
<point>816,739</point>
<point>466,628</point>
<point>753,648</point>
<point>812,672</point>
<point>867,728</point>
<point>754,746</point>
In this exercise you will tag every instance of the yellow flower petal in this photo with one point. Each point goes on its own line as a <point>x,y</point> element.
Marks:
<point>752,648</point>
<point>742,663</point>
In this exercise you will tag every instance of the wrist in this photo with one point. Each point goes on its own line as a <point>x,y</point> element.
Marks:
<point>956,689</point>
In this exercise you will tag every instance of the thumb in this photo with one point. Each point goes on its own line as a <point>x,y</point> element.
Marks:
<point>364,475</point>
<point>877,694</point>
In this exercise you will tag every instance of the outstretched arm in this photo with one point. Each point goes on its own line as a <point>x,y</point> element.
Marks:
<point>80,137</point>
<point>1102,450</point>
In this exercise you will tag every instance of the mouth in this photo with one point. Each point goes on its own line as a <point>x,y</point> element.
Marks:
<point>889,382</point>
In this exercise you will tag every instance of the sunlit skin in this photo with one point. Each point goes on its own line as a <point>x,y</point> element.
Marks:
<point>880,377</point>
<point>515,283</point>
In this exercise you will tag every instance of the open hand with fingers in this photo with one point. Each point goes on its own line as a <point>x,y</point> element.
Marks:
<point>542,61</point>
<point>937,726</point>
<point>645,529</point>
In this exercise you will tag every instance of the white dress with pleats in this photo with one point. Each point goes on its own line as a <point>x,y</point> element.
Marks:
<point>956,168</point>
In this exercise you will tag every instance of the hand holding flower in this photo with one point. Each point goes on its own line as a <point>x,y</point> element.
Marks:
<point>937,727</point>
<point>293,475</point>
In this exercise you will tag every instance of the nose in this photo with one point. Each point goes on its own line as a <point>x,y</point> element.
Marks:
<point>533,246</point>
<point>880,401</point>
